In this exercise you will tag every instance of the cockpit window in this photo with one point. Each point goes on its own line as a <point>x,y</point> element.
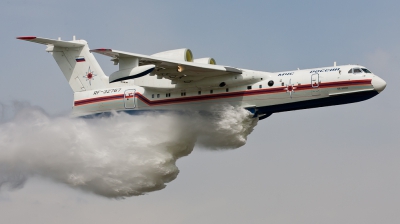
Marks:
<point>366,70</point>
<point>351,70</point>
<point>356,70</point>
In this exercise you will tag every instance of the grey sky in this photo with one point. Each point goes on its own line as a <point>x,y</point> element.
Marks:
<point>329,165</point>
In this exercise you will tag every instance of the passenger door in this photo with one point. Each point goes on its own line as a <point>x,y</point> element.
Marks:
<point>129,99</point>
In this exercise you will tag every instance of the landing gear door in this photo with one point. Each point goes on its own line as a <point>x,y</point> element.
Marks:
<point>315,84</point>
<point>129,99</point>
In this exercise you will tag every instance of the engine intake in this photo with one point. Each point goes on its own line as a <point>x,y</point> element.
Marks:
<point>183,54</point>
<point>210,61</point>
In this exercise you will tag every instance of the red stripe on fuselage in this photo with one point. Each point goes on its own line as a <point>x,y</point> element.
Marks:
<point>221,95</point>
<point>98,99</point>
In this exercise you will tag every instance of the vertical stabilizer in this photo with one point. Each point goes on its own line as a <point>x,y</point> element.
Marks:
<point>77,63</point>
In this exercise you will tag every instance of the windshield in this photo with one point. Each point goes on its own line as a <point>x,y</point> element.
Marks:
<point>359,70</point>
<point>366,70</point>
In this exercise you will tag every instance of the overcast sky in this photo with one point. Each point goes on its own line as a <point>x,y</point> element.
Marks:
<point>329,165</point>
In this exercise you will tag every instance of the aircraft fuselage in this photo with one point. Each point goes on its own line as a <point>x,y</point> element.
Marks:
<point>263,93</point>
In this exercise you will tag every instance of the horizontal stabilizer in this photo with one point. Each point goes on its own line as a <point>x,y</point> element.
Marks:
<point>79,66</point>
<point>56,43</point>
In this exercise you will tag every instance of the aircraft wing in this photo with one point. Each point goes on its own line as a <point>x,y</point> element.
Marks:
<point>172,69</point>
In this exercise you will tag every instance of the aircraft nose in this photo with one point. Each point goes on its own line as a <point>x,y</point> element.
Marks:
<point>378,84</point>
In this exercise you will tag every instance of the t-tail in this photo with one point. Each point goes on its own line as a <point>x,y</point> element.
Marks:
<point>75,60</point>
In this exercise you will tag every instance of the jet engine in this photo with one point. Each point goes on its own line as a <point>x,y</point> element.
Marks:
<point>210,61</point>
<point>183,54</point>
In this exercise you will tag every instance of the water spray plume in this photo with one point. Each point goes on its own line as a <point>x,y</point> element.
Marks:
<point>116,157</point>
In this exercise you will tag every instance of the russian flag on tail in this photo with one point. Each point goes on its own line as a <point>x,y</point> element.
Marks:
<point>80,59</point>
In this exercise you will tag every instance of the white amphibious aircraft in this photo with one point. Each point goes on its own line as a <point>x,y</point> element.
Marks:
<point>173,80</point>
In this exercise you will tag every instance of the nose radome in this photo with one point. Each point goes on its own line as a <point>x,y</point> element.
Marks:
<point>379,84</point>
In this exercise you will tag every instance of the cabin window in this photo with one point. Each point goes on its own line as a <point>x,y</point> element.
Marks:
<point>227,89</point>
<point>183,93</point>
<point>248,87</point>
<point>271,83</point>
<point>152,95</point>
<point>283,84</point>
<point>158,95</point>
<point>211,91</point>
<point>260,86</point>
<point>168,95</point>
<point>199,92</point>
<point>261,78</point>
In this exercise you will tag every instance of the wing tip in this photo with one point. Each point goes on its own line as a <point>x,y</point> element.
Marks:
<point>26,38</point>
<point>101,49</point>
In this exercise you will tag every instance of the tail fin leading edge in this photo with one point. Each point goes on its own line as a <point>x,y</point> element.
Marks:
<point>75,60</point>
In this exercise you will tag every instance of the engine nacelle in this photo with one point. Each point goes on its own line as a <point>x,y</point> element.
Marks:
<point>210,61</point>
<point>179,54</point>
